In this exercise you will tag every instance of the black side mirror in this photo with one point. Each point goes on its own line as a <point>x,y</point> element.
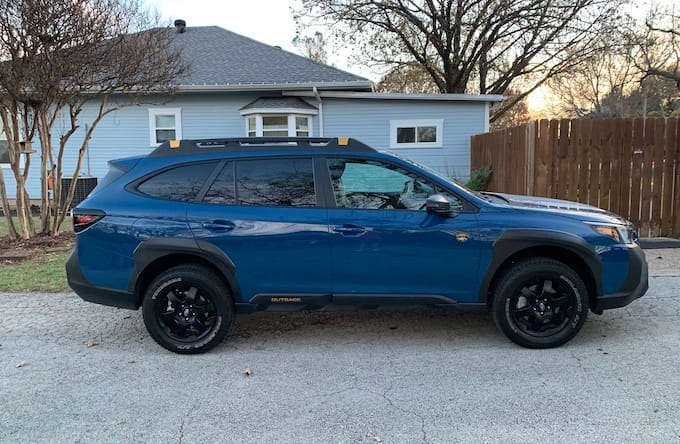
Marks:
<point>438,204</point>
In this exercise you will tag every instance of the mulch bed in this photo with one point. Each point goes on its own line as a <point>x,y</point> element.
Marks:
<point>13,251</point>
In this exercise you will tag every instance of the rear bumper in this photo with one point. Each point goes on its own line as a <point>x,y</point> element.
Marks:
<point>635,286</point>
<point>90,293</point>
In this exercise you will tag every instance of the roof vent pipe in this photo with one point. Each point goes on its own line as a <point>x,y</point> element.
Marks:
<point>180,26</point>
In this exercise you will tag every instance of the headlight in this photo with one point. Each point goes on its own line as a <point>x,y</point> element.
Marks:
<point>618,233</point>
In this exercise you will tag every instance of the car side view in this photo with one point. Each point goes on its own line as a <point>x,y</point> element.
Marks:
<point>201,230</point>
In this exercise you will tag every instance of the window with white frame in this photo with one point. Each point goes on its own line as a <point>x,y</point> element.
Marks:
<point>423,133</point>
<point>164,124</point>
<point>4,150</point>
<point>278,125</point>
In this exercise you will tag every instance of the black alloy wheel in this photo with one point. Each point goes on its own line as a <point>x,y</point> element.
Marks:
<point>540,303</point>
<point>188,309</point>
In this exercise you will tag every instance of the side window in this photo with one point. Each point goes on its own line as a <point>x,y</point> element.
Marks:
<point>366,184</point>
<point>222,191</point>
<point>275,182</point>
<point>164,124</point>
<point>182,183</point>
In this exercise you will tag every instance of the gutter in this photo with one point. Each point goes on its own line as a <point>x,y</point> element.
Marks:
<point>318,98</point>
<point>351,86</point>
<point>399,96</point>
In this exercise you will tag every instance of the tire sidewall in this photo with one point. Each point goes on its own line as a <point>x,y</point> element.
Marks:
<point>208,283</point>
<point>516,279</point>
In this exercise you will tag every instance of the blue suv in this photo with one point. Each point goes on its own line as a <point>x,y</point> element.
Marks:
<point>201,230</point>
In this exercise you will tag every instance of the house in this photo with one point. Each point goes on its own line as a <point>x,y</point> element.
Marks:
<point>238,87</point>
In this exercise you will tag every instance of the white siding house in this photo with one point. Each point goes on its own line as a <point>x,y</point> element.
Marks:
<point>240,88</point>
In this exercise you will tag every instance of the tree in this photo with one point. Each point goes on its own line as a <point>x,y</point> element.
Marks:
<point>635,73</point>
<point>599,84</point>
<point>517,115</point>
<point>480,46</point>
<point>58,57</point>
<point>659,48</point>
<point>407,78</point>
<point>314,47</point>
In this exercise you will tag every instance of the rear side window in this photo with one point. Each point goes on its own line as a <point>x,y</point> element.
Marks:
<point>222,191</point>
<point>182,183</point>
<point>275,182</point>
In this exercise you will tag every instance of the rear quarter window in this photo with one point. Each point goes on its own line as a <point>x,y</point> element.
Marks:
<point>182,183</point>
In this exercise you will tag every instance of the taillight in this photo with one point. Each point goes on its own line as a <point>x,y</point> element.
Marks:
<point>84,219</point>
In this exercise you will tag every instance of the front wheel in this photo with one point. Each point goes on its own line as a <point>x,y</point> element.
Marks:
<point>188,309</point>
<point>540,303</point>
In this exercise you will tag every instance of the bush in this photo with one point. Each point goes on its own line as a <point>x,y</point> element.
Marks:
<point>479,179</point>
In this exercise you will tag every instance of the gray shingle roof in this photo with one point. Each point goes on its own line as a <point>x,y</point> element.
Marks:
<point>223,58</point>
<point>279,103</point>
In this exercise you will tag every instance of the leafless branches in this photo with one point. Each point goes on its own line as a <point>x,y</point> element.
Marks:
<point>481,46</point>
<point>58,55</point>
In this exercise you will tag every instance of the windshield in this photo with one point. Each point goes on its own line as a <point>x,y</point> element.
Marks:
<point>435,173</point>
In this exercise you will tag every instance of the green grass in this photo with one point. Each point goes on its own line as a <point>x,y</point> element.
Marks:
<point>45,273</point>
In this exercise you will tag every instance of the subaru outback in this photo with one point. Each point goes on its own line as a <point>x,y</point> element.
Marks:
<point>201,230</point>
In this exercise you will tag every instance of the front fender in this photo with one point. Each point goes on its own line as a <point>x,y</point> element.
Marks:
<point>514,242</point>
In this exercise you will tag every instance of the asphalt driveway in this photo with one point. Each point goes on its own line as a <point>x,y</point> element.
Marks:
<point>92,374</point>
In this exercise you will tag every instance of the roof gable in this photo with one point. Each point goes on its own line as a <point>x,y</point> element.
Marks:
<point>221,58</point>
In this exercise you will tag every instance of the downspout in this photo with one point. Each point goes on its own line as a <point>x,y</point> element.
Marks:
<point>318,98</point>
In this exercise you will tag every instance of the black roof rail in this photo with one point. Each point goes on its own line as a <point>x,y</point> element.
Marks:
<point>194,146</point>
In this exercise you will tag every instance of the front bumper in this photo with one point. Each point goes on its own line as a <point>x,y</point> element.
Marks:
<point>635,286</point>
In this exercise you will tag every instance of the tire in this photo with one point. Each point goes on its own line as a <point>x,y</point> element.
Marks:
<point>188,309</point>
<point>540,303</point>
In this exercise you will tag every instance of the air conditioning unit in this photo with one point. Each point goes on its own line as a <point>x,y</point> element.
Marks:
<point>84,186</point>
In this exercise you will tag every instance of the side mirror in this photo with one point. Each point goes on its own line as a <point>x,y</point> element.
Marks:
<point>438,204</point>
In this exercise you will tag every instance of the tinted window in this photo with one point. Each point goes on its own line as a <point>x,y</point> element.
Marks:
<point>369,184</point>
<point>222,190</point>
<point>181,183</point>
<point>275,182</point>
<point>4,152</point>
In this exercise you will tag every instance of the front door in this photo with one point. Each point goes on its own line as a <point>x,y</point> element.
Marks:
<point>385,243</point>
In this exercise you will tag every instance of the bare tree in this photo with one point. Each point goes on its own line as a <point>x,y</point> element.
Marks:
<point>60,56</point>
<point>480,46</point>
<point>313,47</point>
<point>659,46</point>
<point>634,74</point>
<point>407,78</point>
<point>599,85</point>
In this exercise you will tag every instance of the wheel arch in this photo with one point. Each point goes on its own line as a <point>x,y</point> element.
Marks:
<point>156,255</point>
<point>516,245</point>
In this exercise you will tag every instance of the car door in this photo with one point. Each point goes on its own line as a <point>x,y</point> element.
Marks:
<point>385,243</point>
<point>263,214</point>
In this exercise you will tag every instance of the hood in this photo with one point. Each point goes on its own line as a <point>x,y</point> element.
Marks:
<point>564,207</point>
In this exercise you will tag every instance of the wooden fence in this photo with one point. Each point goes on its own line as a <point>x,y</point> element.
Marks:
<point>628,166</point>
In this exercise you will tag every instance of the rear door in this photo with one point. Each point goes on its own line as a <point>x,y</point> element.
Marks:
<point>264,215</point>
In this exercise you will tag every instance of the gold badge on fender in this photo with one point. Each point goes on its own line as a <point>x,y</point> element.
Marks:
<point>462,237</point>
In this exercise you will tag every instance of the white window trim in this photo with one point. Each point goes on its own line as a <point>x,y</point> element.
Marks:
<point>153,112</point>
<point>437,123</point>
<point>292,129</point>
<point>3,136</point>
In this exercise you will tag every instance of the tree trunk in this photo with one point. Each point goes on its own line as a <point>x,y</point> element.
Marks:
<point>11,230</point>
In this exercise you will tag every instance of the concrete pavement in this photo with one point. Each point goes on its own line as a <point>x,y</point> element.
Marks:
<point>413,377</point>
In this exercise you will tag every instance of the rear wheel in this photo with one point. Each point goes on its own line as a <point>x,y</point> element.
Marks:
<point>540,303</point>
<point>188,309</point>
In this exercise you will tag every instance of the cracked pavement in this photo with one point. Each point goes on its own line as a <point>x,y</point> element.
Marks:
<point>355,377</point>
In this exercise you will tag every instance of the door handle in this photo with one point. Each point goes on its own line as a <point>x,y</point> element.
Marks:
<point>219,225</point>
<point>349,230</point>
